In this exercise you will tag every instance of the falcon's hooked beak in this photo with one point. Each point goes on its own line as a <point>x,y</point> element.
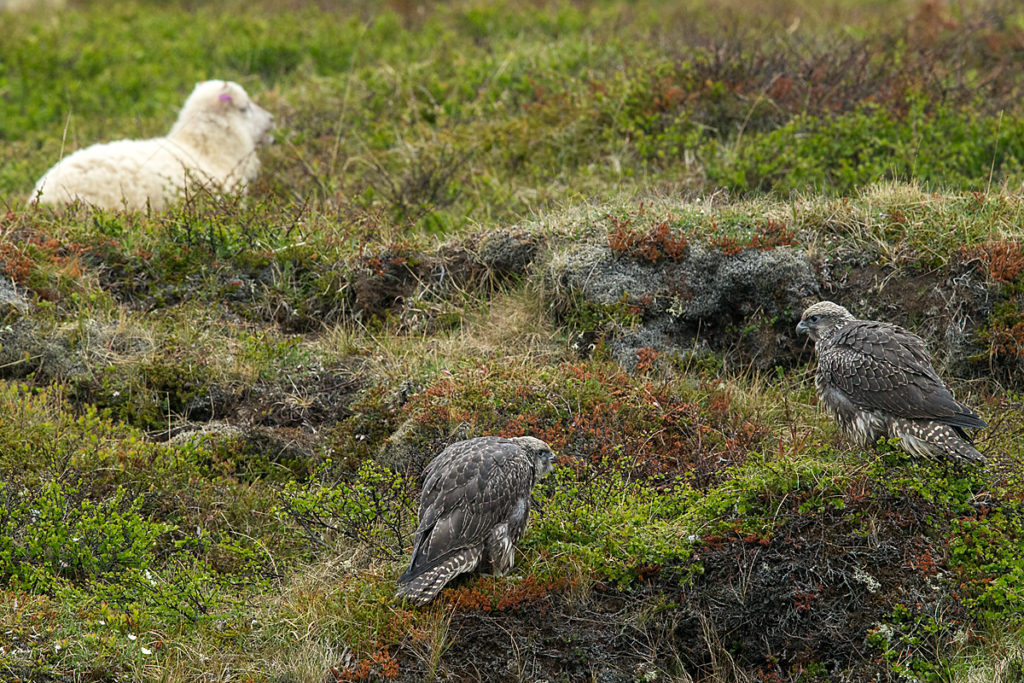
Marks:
<point>801,327</point>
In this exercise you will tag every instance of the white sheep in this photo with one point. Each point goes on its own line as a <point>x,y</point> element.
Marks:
<point>212,145</point>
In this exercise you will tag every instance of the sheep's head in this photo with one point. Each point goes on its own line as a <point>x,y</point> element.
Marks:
<point>225,105</point>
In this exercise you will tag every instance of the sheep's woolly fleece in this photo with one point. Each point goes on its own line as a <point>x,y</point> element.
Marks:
<point>212,145</point>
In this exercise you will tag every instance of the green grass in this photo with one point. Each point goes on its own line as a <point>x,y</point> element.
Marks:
<point>212,419</point>
<point>527,108</point>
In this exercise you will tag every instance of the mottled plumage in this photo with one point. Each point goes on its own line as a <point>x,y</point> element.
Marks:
<point>474,507</point>
<point>876,380</point>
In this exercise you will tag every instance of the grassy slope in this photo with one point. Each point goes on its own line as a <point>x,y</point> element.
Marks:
<point>351,317</point>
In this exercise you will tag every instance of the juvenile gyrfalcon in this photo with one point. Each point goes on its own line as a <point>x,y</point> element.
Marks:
<point>473,508</point>
<point>876,380</point>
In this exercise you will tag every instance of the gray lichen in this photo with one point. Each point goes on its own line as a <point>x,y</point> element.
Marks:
<point>693,303</point>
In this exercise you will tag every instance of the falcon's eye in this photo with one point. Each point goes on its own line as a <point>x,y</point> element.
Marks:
<point>813,319</point>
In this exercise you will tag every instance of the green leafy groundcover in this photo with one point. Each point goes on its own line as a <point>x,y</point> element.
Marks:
<point>940,145</point>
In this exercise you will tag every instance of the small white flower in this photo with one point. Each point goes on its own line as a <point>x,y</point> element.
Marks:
<point>132,636</point>
<point>116,394</point>
<point>146,651</point>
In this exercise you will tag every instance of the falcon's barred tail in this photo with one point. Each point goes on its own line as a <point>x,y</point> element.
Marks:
<point>965,418</point>
<point>425,586</point>
<point>937,441</point>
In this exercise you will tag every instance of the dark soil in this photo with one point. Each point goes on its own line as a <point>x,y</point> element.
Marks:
<point>800,602</point>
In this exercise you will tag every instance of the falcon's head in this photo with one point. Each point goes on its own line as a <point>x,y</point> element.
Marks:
<point>820,320</point>
<point>539,452</point>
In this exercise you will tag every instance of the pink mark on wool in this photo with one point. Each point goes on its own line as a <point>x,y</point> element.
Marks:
<point>224,98</point>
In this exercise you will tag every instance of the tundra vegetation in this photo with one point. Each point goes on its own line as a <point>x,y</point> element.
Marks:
<point>595,223</point>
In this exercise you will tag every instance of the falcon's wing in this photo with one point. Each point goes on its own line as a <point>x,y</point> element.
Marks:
<point>884,367</point>
<point>467,489</point>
